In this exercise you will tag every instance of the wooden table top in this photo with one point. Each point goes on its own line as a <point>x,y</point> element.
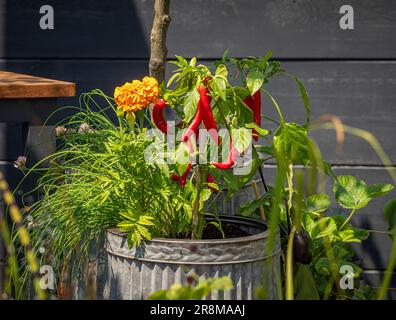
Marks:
<point>15,85</point>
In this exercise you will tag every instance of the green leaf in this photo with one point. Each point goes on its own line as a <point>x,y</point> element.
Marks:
<point>379,190</point>
<point>221,71</point>
<point>213,185</point>
<point>173,78</point>
<point>159,295</point>
<point>204,195</point>
<point>350,192</point>
<point>182,158</point>
<point>233,182</point>
<point>304,97</point>
<point>324,227</point>
<point>309,226</point>
<point>241,139</point>
<point>243,112</point>
<point>182,61</point>
<point>254,80</point>
<point>190,104</point>
<point>144,232</point>
<point>241,92</point>
<point>225,54</point>
<point>134,238</point>
<point>218,227</point>
<point>356,269</point>
<point>221,110</point>
<point>265,149</point>
<point>323,266</point>
<point>291,142</point>
<point>353,235</point>
<point>146,221</point>
<point>390,213</point>
<point>126,226</point>
<point>304,284</point>
<point>222,283</point>
<point>219,87</point>
<point>264,60</point>
<point>339,252</point>
<point>128,216</point>
<point>317,203</point>
<point>260,131</point>
<point>193,61</point>
<point>248,209</point>
<point>189,292</point>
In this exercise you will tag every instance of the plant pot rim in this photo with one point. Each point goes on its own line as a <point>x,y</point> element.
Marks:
<point>256,223</point>
<point>246,249</point>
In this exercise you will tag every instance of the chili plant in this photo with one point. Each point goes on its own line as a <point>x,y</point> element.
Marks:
<point>201,97</point>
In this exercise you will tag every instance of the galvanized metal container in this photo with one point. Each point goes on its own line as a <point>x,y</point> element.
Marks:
<point>136,273</point>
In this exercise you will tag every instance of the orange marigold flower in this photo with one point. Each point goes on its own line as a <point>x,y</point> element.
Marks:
<point>137,95</point>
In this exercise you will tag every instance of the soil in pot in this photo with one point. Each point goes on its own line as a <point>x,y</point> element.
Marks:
<point>230,231</point>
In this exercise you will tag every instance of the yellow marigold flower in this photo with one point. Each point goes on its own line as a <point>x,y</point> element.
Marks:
<point>137,95</point>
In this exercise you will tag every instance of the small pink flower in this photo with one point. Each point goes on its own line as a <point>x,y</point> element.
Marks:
<point>60,131</point>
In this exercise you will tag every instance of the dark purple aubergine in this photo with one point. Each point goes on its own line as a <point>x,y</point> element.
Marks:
<point>301,252</point>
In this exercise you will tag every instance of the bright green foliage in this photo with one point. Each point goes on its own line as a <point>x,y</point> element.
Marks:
<point>390,213</point>
<point>193,292</point>
<point>291,141</point>
<point>99,179</point>
<point>352,193</point>
<point>317,203</point>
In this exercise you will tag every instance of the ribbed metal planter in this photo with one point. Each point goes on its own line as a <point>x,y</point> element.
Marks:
<point>136,273</point>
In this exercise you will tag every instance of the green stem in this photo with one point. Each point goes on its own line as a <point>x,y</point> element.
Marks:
<point>141,119</point>
<point>195,213</point>
<point>389,271</point>
<point>289,175</point>
<point>275,104</point>
<point>349,218</point>
<point>270,119</point>
<point>289,267</point>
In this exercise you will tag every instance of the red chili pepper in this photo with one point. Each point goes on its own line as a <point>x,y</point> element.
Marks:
<point>254,103</point>
<point>207,114</point>
<point>183,178</point>
<point>211,179</point>
<point>230,159</point>
<point>158,116</point>
<point>194,126</point>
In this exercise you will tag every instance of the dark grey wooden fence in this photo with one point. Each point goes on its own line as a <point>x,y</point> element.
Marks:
<point>349,73</point>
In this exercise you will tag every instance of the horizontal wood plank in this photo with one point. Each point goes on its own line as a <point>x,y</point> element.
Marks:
<point>16,85</point>
<point>361,94</point>
<point>374,278</point>
<point>203,28</point>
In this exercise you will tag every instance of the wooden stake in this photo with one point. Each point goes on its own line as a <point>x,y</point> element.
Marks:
<point>158,39</point>
<point>256,192</point>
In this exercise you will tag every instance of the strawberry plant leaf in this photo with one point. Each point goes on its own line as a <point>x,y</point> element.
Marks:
<point>379,190</point>
<point>350,192</point>
<point>317,203</point>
